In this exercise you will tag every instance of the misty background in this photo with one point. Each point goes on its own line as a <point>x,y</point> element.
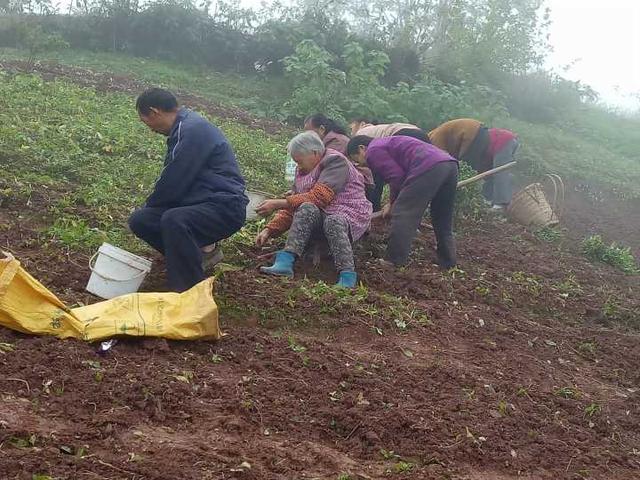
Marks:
<point>595,42</point>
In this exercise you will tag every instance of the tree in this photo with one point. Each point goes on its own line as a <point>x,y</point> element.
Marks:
<point>33,38</point>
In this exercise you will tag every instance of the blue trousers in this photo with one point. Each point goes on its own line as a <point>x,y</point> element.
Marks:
<point>180,233</point>
<point>498,189</point>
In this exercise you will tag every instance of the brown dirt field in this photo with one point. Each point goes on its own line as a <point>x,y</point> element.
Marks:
<point>520,372</point>
<point>591,211</point>
<point>474,394</point>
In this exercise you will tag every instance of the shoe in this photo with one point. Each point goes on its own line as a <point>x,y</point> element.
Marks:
<point>283,265</point>
<point>347,279</point>
<point>211,256</point>
<point>498,209</point>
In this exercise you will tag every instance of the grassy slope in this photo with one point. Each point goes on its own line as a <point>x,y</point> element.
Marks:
<point>60,133</point>
<point>229,89</point>
<point>93,150</point>
<point>596,147</point>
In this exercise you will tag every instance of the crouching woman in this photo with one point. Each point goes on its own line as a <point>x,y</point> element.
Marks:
<point>328,197</point>
<point>419,175</point>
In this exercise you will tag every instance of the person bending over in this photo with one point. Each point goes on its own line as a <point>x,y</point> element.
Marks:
<point>328,197</point>
<point>199,198</point>
<point>380,130</point>
<point>419,175</point>
<point>483,148</point>
<point>335,137</point>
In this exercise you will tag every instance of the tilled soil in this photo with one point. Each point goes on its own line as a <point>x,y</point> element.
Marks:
<point>519,381</point>
<point>526,368</point>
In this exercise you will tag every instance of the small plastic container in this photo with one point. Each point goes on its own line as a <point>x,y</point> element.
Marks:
<point>116,272</point>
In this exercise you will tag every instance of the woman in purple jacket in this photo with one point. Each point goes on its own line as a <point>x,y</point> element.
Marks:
<point>418,175</point>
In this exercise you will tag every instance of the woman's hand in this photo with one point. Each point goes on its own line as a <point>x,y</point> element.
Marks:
<point>386,211</point>
<point>268,206</point>
<point>263,237</point>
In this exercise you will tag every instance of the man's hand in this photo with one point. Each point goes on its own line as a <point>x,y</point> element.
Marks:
<point>268,206</point>
<point>263,237</point>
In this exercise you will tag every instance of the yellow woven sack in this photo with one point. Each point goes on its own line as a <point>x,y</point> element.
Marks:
<point>27,306</point>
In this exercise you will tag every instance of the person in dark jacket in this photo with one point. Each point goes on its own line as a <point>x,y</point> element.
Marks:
<point>199,198</point>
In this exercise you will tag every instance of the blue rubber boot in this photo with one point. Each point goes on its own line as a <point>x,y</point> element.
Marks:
<point>347,279</point>
<point>283,265</point>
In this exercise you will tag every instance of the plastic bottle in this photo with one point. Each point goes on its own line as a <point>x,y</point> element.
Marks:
<point>290,170</point>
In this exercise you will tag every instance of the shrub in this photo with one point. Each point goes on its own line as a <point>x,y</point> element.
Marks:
<point>469,201</point>
<point>614,255</point>
<point>36,41</point>
<point>316,84</point>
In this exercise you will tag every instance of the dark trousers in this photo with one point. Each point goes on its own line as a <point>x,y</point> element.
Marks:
<point>437,186</point>
<point>374,192</point>
<point>180,233</point>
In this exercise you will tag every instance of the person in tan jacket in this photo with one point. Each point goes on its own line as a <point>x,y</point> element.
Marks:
<point>483,149</point>
<point>362,126</point>
<point>381,130</point>
<point>464,138</point>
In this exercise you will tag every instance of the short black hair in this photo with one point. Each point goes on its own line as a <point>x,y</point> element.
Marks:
<point>356,142</point>
<point>318,120</point>
<point>156,98</point>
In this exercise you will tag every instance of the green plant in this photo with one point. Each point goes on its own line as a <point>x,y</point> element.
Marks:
<point>592,410</point>
<point>549,234</point>
<point>567,392</point>
<point>24,442</point>
<point>316,83</point>
<point>469,201</point>
<point>36,41</point>
<point>296,347</point>
<point>611,308</point>
<point>403,467</point>
<point>619,257</point>
<point>388,454</point>
<point>215,358</point>
<point>569,287</point>
<point>588,348</point>
<point>529,283</point>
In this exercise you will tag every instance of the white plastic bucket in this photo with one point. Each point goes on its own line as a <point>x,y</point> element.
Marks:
<point>116,272</point>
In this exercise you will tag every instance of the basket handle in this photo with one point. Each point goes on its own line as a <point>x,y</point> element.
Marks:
<point>561,204</point>
<point>106,277</point>
<point>558,191</point>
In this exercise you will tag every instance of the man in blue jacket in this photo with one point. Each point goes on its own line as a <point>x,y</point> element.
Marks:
<point>199,198</point>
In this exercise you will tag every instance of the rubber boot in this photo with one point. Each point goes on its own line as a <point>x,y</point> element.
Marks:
<point>347,279</point>
<point>283,265</point>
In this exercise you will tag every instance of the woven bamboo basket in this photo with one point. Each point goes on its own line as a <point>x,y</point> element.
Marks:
<point>531,207</point>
